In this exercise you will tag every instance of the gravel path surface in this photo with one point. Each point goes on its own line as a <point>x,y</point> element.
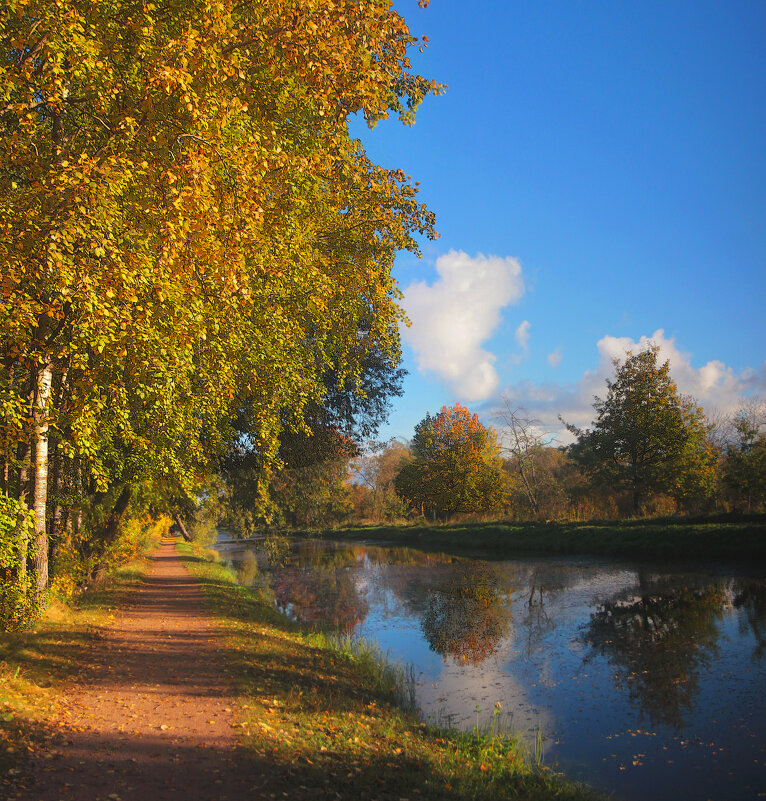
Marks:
<point>152,716</point>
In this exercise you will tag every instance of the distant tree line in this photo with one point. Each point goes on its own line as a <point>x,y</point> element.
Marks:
<point>650,451</point>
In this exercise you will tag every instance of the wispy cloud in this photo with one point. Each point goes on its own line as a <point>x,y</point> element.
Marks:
<point>554,358</point>
<point>454,316</point>
<point>522,336</point>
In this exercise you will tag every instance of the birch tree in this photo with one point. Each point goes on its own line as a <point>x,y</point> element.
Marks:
<point>187,228</point>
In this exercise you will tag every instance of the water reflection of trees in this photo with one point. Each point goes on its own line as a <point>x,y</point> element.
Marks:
<point>659,642</point>
<point>326,596</point>
<point>536,620</point>
<point>246,569</point>
<point>314,552</point>
<point>538,585</point>
<point>466,615</point>
<point>316,582</point>
<point>750,599</point>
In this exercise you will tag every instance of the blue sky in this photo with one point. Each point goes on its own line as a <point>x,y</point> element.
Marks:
<point>598,172</point>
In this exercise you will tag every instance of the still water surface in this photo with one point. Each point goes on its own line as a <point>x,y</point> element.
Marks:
<point>646,681</point>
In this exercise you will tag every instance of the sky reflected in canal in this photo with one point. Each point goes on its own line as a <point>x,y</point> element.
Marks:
<point>644,680</point>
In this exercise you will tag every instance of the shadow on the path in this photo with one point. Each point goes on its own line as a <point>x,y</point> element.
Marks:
<point>148,670</point>
<point>126,766</point>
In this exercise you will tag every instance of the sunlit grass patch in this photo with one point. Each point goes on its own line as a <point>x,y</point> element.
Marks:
<point>373,666</point>
<point>329,716</point>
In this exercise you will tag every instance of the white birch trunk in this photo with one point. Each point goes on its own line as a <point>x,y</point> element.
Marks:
<point>40,475</point>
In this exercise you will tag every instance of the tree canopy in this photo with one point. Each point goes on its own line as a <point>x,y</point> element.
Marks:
<point>641,427</point>
<point>187,230</point>
<point>456,465</point>
<point>744,463</point>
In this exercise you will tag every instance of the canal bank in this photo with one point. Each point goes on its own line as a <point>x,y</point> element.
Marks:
<point>282,712</point>
<point>722,537</point>
<point>643,678</point>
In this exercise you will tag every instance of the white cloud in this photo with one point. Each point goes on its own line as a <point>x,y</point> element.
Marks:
<point>554,358</point>
<point>522,336</point>
<point>715,386</point>
<point>452,317</point>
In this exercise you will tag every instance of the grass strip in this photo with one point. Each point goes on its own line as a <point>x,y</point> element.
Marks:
<point>329,717</point>
<point>660,538</point>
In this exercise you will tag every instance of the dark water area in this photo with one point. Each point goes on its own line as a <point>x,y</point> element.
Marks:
<point>646,681</point>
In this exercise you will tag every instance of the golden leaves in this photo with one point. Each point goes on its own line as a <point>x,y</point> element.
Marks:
<point>187,202</point>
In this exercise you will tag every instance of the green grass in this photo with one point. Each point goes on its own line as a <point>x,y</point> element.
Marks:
<point>660,538</point>
<point>331,718</point>
<point>373,667</point>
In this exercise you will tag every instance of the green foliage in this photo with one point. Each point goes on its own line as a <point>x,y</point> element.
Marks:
<point>189,234</point>
<point>301,493</point>
<point>16,526</point>
<point>456,465</point>
<point>137,537</point>
<point>640,428</point>
<point>314,495</point>
<point>18,605</point>
<point>203,526</point>
<point>692,475</point>
<point>744,462</point>
<point>310,487</point>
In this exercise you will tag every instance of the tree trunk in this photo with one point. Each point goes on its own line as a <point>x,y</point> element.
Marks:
<point>24,489</point>
<point>79,490</point>
<point>182,527</point>
<point>106,536</point>
<point>56,465</point>
<point>54,488</point>
<point>6,488</point>
<point>528,488</point>
<point>108,533</point>
<point>40,475</point>
<point>637,494</point>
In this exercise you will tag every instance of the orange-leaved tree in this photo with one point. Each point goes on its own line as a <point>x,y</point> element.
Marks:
<point>456,465</point>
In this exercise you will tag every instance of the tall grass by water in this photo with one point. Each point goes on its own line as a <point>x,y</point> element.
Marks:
<point>374,666</point>
<point>335,718</point>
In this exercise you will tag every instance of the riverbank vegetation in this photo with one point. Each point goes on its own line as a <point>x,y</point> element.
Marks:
<point>329,712</point>
<point>741,538</point>
<point>651,453</point>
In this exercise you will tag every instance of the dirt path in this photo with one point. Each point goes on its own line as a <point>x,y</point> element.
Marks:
<point>151,716</point>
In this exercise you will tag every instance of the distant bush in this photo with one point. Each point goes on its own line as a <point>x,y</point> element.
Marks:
<point>75,572</point>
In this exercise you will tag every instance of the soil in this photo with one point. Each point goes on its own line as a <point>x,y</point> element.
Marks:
<point>152,716</point>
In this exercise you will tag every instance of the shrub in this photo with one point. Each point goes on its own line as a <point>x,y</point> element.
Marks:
<point>18,604</point>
